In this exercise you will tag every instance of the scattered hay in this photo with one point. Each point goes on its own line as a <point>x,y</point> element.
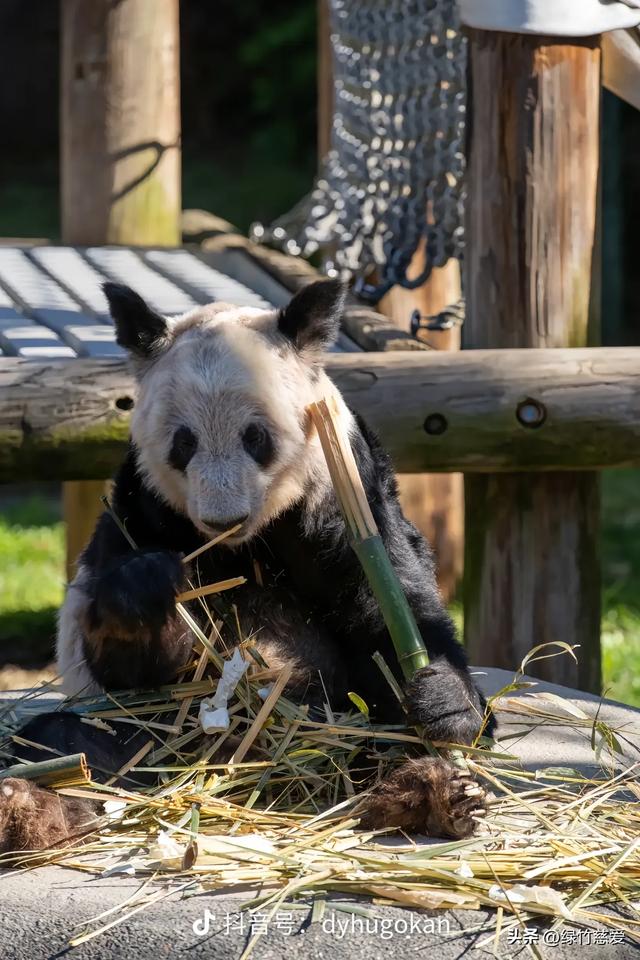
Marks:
<point>280,815</point>
<point>271,801</point>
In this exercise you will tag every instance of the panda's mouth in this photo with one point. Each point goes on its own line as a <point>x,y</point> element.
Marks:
<point>241,532</point>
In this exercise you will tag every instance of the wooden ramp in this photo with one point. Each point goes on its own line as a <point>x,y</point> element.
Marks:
<point>52,305</point>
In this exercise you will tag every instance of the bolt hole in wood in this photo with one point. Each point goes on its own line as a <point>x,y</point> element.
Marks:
<point>531,413</point>
<point>435,424</point>
<point>125,403</point>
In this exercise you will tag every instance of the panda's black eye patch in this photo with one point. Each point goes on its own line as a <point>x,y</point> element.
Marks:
<point>257,441</point>
<point>183,447</point>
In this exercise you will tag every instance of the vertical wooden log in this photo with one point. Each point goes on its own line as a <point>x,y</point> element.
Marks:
<point>119,149</point>
<point>120,122</point>
<point>434,502</point>
<point>532,571</point>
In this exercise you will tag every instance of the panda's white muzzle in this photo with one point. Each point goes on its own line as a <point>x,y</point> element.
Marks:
<point>221,498</point>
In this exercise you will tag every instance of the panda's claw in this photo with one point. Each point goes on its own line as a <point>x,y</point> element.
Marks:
<point>426,795</point>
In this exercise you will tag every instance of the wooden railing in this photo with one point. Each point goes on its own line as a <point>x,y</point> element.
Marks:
<point>477,411</point>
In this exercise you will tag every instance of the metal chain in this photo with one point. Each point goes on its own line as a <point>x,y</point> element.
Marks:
<point>393,178</point>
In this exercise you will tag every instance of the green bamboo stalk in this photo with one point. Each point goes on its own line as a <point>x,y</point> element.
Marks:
<point>371,552</point>
<point>57,772</point>
<point>398,617</point>
<point>367,542</point>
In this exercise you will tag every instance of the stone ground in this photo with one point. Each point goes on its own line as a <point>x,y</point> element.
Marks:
<point>40,910</point>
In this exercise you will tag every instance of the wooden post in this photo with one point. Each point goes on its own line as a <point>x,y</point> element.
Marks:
<point>434,502</point>
<point>120,122</point>
<point>532,571</point>
<point>119,149</point>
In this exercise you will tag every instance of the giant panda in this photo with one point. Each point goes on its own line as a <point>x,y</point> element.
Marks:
<point>220,437</point>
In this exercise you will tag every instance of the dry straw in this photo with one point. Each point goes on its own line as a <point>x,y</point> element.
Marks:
<point>557,844</point>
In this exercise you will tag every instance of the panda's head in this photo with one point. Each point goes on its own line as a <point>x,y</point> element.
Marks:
<point>220,425</point>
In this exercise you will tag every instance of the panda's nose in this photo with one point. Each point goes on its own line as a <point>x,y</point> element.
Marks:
<point>221,524</point>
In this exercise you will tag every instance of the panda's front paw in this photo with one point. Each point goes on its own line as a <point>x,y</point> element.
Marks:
<point>138,594</point>
<point>446,703</point>
<point>132,634</point>
<point>426,795</point>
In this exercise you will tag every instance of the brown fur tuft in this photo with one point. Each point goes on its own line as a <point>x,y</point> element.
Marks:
<point>33,818</point>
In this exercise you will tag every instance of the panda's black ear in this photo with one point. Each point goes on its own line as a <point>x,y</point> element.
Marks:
<point>312,319</point>
<point>138,328</point>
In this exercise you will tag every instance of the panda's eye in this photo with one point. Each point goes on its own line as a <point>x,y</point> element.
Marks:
<point>183,447</point>
<point>257,441</point>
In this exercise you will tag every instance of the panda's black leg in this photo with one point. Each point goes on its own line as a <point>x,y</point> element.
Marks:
<point>34,818</point>
<point>133,636</point>
<point>65,733</point>
<point>284,635</point>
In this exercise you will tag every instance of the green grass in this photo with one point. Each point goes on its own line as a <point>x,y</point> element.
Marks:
<point>621,654</point>
<point>32,582</point>
<point>621,584</point>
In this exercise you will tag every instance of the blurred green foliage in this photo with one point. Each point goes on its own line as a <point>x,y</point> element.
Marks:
<point>248,106</point>
<point>621,584</point>
<point>248,97</point>
<point>32,555</point>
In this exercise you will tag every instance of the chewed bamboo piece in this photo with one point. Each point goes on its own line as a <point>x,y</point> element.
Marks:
<point>191,556</point>
<point>212,543</point>
<point>209,589</point>
<point>366,540</point>
<point>59,772</point>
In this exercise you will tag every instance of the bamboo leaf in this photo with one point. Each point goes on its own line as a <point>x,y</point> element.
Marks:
<point>359,703</point>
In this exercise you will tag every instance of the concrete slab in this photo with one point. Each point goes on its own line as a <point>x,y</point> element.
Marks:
<point>43,909</point>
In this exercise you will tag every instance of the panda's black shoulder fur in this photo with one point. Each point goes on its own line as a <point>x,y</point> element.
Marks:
<point>149,520</point>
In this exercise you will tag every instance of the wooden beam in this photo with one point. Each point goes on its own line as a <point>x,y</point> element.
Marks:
<point>119,150</point>
<point>532,570</point>
<point>481,411</point>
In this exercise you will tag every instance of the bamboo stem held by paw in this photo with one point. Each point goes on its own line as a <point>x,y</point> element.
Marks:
<point>58,772</point>
<point>366,540</point>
